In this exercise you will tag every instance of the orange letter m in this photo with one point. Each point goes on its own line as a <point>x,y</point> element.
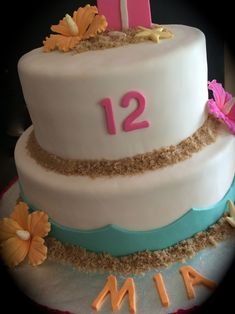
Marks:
<point>117,296</point>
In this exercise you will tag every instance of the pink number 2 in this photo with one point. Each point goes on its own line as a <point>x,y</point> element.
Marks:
<point>129,124</point>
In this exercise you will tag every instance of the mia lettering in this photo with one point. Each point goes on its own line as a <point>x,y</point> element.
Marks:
<point>189,275</point>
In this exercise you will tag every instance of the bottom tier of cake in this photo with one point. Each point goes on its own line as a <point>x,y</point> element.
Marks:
<point>125,214</point>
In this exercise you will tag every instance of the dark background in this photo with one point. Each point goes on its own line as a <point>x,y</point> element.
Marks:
<point>25,24</point>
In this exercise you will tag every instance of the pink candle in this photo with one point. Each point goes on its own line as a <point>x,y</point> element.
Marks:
<point>122,14</point>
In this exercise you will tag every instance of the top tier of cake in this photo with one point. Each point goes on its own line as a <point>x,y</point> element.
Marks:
<point>79,103</point>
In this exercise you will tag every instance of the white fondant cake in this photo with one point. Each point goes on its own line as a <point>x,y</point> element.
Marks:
<point>141,202</point>
<point>125,158</point>
<point>79,105</point>
<point>63,92</point>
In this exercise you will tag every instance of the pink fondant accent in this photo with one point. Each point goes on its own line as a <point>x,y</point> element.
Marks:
<point>187,311</point>
<point>106,103</point>
<point>112,11</point>
<point>129,123</point>
<point>222,105</point>
<point>65,312</point>
<point>139,13</point>
<point>231,114</point>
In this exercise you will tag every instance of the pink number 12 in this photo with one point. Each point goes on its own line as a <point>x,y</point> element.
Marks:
<point>129,124</point>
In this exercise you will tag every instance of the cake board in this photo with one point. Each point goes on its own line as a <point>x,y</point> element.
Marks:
<point>58,286</point>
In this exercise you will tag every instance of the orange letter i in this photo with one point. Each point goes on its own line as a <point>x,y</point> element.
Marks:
<point>158,279</point>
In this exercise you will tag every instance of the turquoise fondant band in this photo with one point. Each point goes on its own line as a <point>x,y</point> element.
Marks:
<point>118,241</point>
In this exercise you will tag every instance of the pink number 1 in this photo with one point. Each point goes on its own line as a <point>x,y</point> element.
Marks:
<point>107,104</point>
<point>129,124</point>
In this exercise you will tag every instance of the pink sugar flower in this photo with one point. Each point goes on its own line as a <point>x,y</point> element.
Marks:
<point>223,105</point>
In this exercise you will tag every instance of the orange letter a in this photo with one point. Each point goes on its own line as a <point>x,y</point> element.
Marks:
<point>117,296</point>
<point>192,277</point>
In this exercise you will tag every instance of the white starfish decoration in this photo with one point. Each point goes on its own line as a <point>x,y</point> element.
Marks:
<point>231,219</point>
<point>154,34</point>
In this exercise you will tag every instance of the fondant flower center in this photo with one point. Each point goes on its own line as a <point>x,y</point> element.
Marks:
<point>72,25</point>
<point>85,23</point>
<point>228,106</point>
<point>23,235</point>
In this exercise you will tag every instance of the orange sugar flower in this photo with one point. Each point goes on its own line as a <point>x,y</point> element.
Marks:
<point>22,235</point>
<point>84,24</point>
